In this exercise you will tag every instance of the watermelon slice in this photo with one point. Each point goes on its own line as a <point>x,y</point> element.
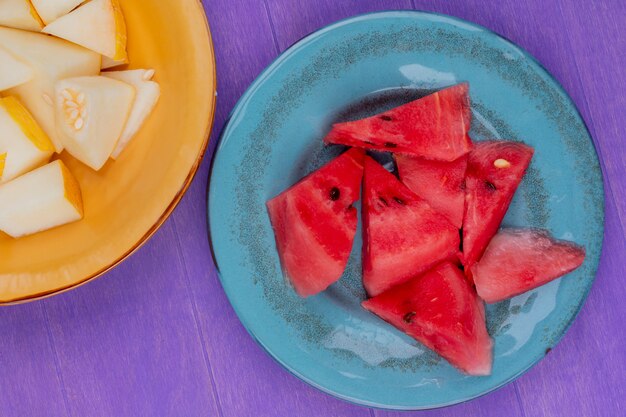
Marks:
<point>403,236</point>
<point>433,127</point>
<point>314,223</point>
<point>440,183</point>
<point>518,260</point>
<point>494,170</point>
<point>441,310</point>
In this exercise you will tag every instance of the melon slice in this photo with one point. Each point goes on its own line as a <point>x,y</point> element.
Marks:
<point>51,10</point>
<point>19,14</point>
<point>51,60</point>
<point>441,184</point>
<point>148,93</point>
<point>314,223</point>
<point>97,25</point>
<point>441,310</point>
<point>42,199</point>
<point>91,113</point>
<point>13,71</point>
<point>519,260</point>
<point>22,141</point>
<point>111,63</point>
<point>433,127</point>
<point>494,170</point>
<point>403,235</point>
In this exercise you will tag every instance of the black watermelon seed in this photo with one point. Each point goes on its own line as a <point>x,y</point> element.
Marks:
<point>386,118</point>
<point>408,317</point>
<point>382,199</point>
<point>334,193</point>
<point>390,145</point>
<point>461,239</point>
<point>399,201</point>
<point>490,186</point>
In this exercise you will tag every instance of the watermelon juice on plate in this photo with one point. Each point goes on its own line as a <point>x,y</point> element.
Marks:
<point>274,139</point>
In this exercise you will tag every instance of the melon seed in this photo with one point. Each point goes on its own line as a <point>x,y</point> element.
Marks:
<point>399,201</point>
<point>47,99</point>
<point>390,145</point>
<point>334,193</point>
<point>386,118</point>
<point>501,163</point>
<point>382,199</point>
<point>408,317</point>
<point>490,186</point>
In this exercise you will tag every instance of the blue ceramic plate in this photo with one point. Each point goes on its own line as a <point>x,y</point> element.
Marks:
<point>352,69</point>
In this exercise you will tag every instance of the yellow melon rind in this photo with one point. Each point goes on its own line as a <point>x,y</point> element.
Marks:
<point>72,189</point>
<point>27,123</point>
<point>120,32</point>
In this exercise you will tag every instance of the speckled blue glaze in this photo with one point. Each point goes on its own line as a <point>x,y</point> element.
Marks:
<point>351,69</point>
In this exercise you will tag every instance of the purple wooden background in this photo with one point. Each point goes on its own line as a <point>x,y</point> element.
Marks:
<point>157,337</point>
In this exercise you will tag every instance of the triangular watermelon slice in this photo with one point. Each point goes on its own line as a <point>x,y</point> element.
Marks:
<point>402,235</point>
<point>441,310</point>
<point>440,183</point>
<point>494,170</point>
<point>518,260</point>
<point>433,127</point>
<point>314,223</point>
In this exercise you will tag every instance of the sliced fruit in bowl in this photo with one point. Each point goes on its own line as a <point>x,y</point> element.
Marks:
<point>90,118</point>
<point>42,199</point>
<point>50,10</point>
<point>22,142</point>
<point>146,98</point>
<point>13,71</point>
<point>91,113</point>
<point>51,60</point>
<point>20,14</point>
<point>97,25</point>
<point>108,63</point>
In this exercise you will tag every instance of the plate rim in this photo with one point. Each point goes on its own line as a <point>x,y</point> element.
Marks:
<point>249,92</point>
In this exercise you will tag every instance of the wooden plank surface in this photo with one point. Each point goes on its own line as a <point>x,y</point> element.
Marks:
<point>128,345</point>
<point>157,336</point>
<point>29,381</point>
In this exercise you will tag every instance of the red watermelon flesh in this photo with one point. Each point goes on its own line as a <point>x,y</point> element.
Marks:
<point>314,223</point>
<point>441,310</point>
<point>494,170</point>
<point>440,183</point>
<point>403,235</point>
<point>433,127</point>
<point>519,260</point>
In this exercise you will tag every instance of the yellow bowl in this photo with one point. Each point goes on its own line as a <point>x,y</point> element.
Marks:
<point>129,199</point>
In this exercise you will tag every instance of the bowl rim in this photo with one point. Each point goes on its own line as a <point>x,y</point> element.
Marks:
<point>172,205</point>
